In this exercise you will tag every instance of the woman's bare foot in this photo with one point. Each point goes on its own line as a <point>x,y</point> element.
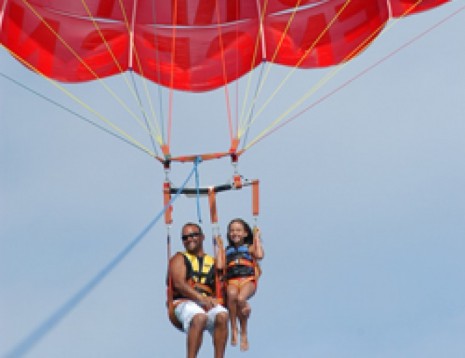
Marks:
<point>244,342</point>
<point>234,337</point>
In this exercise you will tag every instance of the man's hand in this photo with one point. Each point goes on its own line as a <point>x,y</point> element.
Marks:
<point>207,302</point>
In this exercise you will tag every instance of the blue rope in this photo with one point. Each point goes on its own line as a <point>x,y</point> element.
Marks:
<point>197,185</point>
<point>40,331</point>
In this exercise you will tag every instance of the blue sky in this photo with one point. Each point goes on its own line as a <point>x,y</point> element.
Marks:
<point>362,213</point>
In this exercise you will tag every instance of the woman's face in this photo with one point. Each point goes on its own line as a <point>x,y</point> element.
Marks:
<point>237,233</point>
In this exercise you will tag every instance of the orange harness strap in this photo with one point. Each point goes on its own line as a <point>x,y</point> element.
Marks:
<point>242,262</point>
<point>166,201</point>
<point>218,244</point>
<point>212,202</point>
<point>241,281</point>
<point>172,306</point>
<point>255,197</point>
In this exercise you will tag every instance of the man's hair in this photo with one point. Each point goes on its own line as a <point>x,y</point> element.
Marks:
<point>192,224</point>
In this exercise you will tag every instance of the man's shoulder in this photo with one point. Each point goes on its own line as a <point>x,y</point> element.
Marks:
<point>177,256</point>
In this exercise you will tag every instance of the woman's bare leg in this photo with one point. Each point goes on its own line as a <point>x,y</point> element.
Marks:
<point>232,293</point>
<point>244,310</point>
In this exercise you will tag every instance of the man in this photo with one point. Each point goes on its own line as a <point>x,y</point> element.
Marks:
<point>192,282</point>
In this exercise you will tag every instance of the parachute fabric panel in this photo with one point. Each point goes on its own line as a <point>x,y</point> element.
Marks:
<point>401,8</point>
<point>81,40</point>
<point>331,38</point>
<point>62,43</point>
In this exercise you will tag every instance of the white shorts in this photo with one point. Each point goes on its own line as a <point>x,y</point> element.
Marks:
<point>186,310</point>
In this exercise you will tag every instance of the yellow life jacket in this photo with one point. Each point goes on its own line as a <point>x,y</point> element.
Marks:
<point>200,273</point>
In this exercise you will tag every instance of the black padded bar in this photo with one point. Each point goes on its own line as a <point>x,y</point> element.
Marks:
<point>202,191</point>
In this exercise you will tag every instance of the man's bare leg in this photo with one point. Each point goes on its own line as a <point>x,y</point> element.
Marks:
<point>220,334</point>
<point>195,334</point>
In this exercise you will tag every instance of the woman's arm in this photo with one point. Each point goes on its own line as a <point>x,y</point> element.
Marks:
<point>257,247</point>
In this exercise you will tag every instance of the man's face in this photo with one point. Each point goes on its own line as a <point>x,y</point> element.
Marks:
<point>192,238</point>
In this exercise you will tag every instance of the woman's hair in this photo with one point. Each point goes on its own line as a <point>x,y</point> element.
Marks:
<point>248,240</point>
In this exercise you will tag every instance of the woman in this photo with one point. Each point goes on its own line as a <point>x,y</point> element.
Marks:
<point>242,272</point>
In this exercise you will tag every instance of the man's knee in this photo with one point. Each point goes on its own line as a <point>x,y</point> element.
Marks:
<point>221,319</point>
<point>199,321</point>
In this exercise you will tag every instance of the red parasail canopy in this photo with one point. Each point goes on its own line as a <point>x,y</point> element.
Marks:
<point>193,45</point>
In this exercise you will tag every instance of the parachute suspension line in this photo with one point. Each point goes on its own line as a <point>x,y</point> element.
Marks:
<point>161,110</point>
<point>247,124</point>
<point>268,70</point>
<point>102,37</point>
<point>260,38</point>
<point>76,99</point>
<point>147,123</point>
<point>72,112</point>
<point>173,57</point>
<point>325,79</point>
<point>108,89</point>
<point>159,87</point>
<point>237,61</point>
<point>232,132</point>
<point>286,30</point>
<point>152,129</point>
<point>56,317</point>
<point>76,55</point>
<point>360,74</point>
<point>303,57</point>
<point>132,88</point>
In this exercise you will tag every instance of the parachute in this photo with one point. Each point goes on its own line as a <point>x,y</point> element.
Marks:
<point>192,45</point>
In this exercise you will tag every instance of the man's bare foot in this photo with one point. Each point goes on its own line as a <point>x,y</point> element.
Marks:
<point>244,342</point>
<point>234,337</point>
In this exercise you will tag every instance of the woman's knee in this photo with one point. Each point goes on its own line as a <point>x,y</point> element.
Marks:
<point>232,293</point>
<point>241,301</point>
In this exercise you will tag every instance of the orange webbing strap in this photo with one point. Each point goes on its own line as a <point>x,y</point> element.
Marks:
<point>219,248</point>
<point>219,270</point>
<point>172,306</point>
<point>169,290</point>
<point>166,201</point>
<point>255,198</point>
<point>242,262</point>
<point>212,203</point>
